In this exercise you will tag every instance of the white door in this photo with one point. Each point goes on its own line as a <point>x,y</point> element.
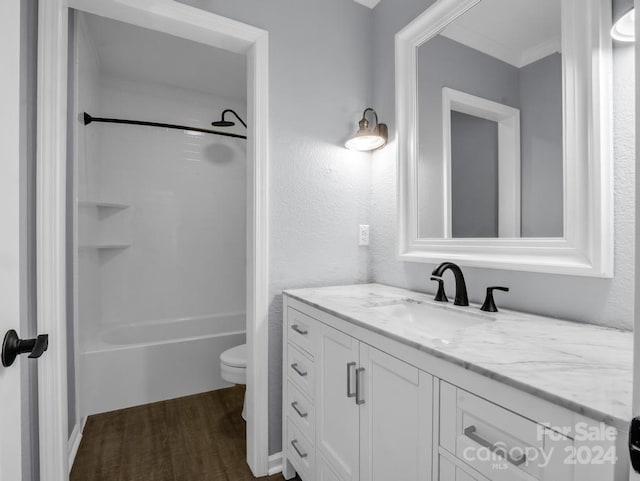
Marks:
<point>395,419</point>
<point>10,245</point>
<point>337,418</point>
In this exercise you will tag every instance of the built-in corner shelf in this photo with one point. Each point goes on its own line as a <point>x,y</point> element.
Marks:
<point>102,204</point>
<point>105,225</point>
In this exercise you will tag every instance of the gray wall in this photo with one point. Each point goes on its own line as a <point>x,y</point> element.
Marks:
<point>541,147</point>
<point>474,176</point>
<point>443,62</point>
<point>320,78</point>
<point>599,301</point>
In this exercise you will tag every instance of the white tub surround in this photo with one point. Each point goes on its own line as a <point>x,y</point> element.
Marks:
<point>140,363</point>
<point>456,372</point>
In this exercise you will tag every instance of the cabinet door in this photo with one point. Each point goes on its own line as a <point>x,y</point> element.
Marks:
<point>450,472</point>
<point>324,471</point>
<point>396,419</point>
<point>337,421</point>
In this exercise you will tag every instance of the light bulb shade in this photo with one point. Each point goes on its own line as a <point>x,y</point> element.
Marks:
<point>366,139</point>
<point>624,23</point>
<point>365,142</point>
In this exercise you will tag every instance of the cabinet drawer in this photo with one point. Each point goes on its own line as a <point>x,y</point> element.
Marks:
<point>301,411</point>
<point>301,330</point>
<point>300,370</point>
<point>300,452</point>
<point>499,443</point>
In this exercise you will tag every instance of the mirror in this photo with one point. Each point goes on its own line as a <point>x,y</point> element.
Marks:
<point>490,161</point>
<point>503,139</point>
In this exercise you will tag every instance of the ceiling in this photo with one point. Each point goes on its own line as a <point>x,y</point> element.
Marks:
<point>135,53</point>
<point>518,32</point>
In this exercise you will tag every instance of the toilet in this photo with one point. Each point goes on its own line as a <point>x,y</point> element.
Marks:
<point>233,365</point>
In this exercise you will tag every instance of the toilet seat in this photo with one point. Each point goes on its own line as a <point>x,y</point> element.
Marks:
<point>235,357</point>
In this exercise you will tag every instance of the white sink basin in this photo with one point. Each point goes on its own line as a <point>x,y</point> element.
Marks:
<point>438,321</point>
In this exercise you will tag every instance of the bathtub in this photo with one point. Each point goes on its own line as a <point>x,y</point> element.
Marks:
<point>139,363</point>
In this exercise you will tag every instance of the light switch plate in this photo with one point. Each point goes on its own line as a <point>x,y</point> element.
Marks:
<point>363,236</point>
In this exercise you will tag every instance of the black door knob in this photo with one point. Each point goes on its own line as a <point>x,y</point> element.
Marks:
<point>13,346</point>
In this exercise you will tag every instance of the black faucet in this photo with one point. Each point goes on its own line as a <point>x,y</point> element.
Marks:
<point>441,296</point>
<point>461,287</point>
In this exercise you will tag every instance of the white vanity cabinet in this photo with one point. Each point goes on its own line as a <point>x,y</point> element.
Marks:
<point>373,412</point>
<point>361,406</point>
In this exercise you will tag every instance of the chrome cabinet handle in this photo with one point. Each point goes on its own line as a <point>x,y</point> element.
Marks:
<point>295,367</point>
<point>295,407</point>
<point>350,366</point>
<point>359,399</point>
<point>294,443</point>
<point>470,432</point>
<point>302,332</point>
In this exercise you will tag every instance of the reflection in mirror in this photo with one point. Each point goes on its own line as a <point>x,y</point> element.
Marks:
<point>490,128</point>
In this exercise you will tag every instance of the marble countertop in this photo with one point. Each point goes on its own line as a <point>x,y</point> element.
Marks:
<point>583,367</point>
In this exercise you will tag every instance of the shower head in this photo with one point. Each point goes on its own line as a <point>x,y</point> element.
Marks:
<point>228,123</point>
<point>223,123</point>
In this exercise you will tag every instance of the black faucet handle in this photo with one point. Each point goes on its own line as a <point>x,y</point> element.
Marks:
<point>441,296</point>
<point>489,304</point>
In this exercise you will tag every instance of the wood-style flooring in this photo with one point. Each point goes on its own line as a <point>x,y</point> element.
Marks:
<point>195,438</point>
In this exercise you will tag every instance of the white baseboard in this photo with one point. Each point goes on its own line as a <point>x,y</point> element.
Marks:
<point>275,463</point>
<point>74,441</point>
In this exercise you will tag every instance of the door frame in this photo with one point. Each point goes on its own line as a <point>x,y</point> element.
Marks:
<point>194,24</point>
<point>636,273</point>
<point>12,242</point>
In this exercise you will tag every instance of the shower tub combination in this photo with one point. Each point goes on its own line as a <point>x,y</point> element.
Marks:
<point>132,364</point>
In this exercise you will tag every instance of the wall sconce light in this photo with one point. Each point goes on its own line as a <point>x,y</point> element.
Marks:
<point>624,21</point>
<point>367,139</point>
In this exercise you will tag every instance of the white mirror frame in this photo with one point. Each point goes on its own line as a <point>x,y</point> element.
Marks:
<point>587,246</point>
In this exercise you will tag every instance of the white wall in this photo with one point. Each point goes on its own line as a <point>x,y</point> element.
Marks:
<point>187,220</point>
<point>599,301</point>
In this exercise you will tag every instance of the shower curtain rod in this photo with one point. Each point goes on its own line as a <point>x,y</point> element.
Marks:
<point>88,119</point>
